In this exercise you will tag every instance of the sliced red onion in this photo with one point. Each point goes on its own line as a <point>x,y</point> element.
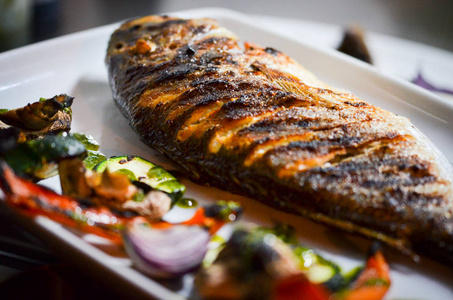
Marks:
<point>421,81</point>
<point>166,253</point>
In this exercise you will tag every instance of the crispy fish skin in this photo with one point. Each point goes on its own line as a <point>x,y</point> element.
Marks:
<point>252,121</point>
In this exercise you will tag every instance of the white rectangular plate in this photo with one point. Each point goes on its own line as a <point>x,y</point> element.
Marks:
<point>74,65</point>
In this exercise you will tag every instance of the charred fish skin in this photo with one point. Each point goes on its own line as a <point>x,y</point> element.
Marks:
<point>254,122</point>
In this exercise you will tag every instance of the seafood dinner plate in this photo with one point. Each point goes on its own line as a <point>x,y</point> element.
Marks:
<point>74,65</point>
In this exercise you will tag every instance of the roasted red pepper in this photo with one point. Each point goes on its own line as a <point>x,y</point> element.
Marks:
<point>32,199</point>
<point>373,282</point>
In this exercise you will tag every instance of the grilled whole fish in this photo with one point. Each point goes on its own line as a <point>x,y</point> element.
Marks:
<point>252,121</point>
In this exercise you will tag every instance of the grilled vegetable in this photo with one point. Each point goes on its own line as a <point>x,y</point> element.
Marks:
<point>139,169</point>
<point>38,159</point>
<point>256,263</point>
<point>316,268</point>
<point>246,268</point>
<point>113,190</point>
<point>252,121</point>
<point>268,263</point>
<point>9,138</point>
<point>166,253</point>
<point>94,157</point>
<point>47,116</point>
<point>319,270</point>
<point>168,250</point>
<point>32,199</point>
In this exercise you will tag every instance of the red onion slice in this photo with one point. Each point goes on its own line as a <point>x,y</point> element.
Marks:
<point>166,253</point>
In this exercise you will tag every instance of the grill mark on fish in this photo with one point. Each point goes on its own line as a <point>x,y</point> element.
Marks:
<point>239,100</point>
<point>315,140</point>
<point>295,119</point>
<point>206,97</point>
<point>235,118</point>
<point>381,171</point>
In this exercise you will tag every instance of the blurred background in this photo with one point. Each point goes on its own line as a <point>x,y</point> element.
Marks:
<point>429,22</point>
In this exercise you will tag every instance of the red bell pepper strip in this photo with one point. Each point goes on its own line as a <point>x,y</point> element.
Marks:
<point>32,199</point>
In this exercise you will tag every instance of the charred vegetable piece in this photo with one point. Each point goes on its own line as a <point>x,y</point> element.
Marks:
<point>248,267</point>
<point>9,138</point>
<point>139,169</point>
<point>266,257</point>
<point>315,267</point>
<point>47,116</point>
<point>73,179</point>
<point>32,199</point>
<point>166,253</point>
<point>37,159</point>
<point>94,157</point>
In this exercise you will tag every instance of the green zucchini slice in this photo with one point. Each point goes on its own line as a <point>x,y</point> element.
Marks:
<point>93,155</point>
<point>139,169</point>
<point>38,159</point>
<point>319,269</point>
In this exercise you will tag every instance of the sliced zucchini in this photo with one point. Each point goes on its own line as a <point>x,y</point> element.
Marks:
<point>139,169</point>
<point>94,157</point>
<point>37,159</point>
<point>319,269</point>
